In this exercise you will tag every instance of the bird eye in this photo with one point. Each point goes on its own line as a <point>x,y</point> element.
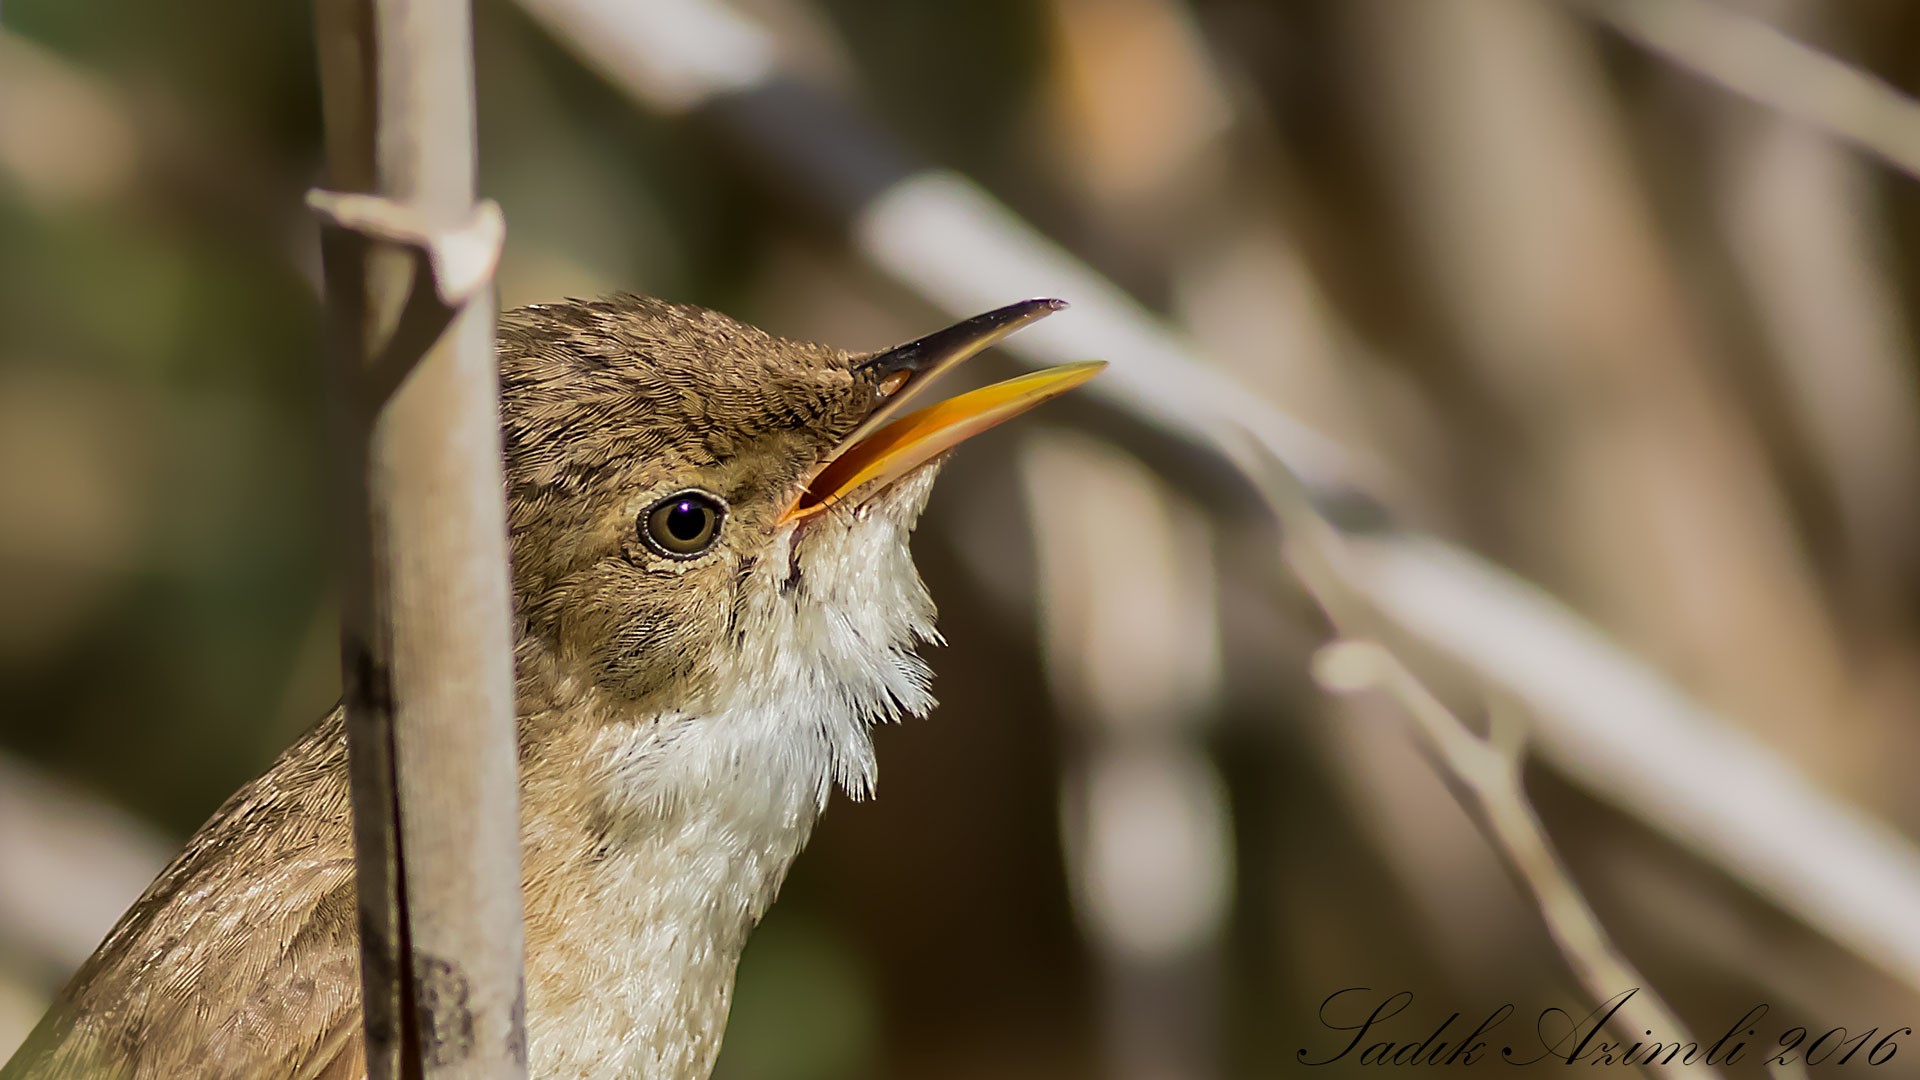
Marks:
<point>684,525</point>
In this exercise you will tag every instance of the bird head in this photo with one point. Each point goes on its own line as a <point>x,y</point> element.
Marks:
<point>707,519</point>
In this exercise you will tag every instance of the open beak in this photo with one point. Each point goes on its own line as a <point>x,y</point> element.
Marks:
<point>883,449</point>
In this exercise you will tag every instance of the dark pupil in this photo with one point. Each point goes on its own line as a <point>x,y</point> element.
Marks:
<point>686,521</point>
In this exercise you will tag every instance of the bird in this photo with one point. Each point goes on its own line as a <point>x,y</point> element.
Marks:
<point>714,603</point>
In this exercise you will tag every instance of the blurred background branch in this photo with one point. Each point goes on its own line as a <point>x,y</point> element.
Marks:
<point>1746,54</point>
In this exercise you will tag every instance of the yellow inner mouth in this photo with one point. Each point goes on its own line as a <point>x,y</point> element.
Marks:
<point>892,451</point>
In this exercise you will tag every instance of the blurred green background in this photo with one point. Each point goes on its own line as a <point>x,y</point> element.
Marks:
<point>1642,341</point>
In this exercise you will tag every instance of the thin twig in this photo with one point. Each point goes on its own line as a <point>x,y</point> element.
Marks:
<point>1489,772</point>
<point>1604,720</point>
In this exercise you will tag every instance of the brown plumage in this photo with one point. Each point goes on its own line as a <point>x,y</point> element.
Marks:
<point>686,702</point>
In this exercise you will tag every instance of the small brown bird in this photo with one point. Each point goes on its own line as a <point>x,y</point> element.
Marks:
<point>714,601</point>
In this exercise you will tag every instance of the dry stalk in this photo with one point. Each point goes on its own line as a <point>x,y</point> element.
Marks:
<point>426,639</point>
